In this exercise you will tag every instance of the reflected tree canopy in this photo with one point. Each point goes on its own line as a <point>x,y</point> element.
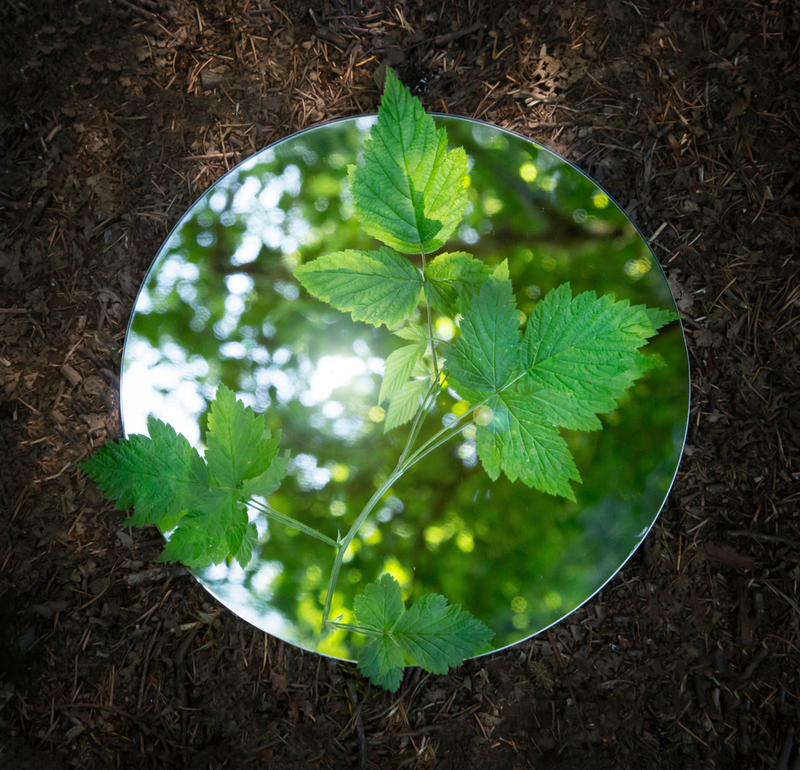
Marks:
<point>220,304</point>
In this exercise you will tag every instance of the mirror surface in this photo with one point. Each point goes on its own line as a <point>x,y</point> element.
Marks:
<point>220,304</point>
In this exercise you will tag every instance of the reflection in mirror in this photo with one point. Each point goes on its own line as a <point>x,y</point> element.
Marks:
<point>221,304</point>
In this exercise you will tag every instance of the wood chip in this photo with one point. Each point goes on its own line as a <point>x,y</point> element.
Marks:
<point>71,375</point>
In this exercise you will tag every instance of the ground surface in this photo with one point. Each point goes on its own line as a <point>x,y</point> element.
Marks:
<point>115,115</point>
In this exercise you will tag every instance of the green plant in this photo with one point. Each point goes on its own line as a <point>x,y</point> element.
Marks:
<point>524,379</point>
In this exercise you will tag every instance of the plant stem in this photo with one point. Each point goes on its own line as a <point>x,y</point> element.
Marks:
<point>355,629</point>
<point>348,538</point>
<point>418,418</point>
<point>430,324</point>
<point>288,521</point>
<point>442,437</point>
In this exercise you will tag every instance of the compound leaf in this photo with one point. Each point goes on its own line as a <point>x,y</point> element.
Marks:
<point>168,483</point>
<point>577,357</point>
<point>239,444</point>
<point>410,191</point>
<point>216,527</point>
<point>379,287</point>
<point>159,476</point>
<point>398,368</point>
<point>431,634</point>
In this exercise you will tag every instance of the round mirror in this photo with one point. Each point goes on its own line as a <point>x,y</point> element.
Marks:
<point>220,304</point>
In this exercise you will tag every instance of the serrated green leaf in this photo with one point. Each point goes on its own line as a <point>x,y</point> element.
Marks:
<point>381,604</point>
<point>159,476</point>
<point>452,280</point>
<point>382,661</point>
<point>413,333</point>
<point>269,481</point>
<point>379,287</point>
<point>404,404</point>
<point>501,272</point>
<point>659,317</point>
<point>439,636</point>
<point>576,358</point>
<point>485,354</point>
<point>378,609</point>
<point>248,543</point>
<point>216,527</point>
<point>398,368</point>
<point>422,369</point>
<point>517,442</point>
<point>239,444</point>
<point>581,355</point>
<point>432,634</point>
<point>410,191</point>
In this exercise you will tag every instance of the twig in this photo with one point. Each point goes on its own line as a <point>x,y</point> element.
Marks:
<point>156,574</point>
<point>765,537</point>
<point>786,751</point>
<point>359,724</point>
<point>450,36</point>
<point>146,664</point>
<point>757,658</point>
<point>142,11</point>
<point>180,676</point>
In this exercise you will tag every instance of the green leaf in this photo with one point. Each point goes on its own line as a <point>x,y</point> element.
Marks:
<point>382,661</point>
<point>501,272</point>
<point>160,476</point>
<point>381,604</point>
<point>215,528</point>
<point>410,191</point>
<point>431,634</point>
<point>379,287</point>
<point>576,358</point>
<point>239,444</point>
<point>485,354</point>
<point>404,404</point>
<point>659,317</point>
<point>452,280</point>
<point>167,482</point>
<point>439,636</point>
<point>398,368</point>
<point>267,482</point>
<point>413,333</point>
<point>516,441</point>
<point>581,355</point>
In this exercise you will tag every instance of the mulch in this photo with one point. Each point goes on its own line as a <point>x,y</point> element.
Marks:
<point>116,115</point>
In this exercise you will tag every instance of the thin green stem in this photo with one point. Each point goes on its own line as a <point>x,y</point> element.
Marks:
<point>442,437</point>
<point>430,323</point>
<point>348,538</point>
<point>355,629</point>
<point>288,521</point>
<point>418,419</point>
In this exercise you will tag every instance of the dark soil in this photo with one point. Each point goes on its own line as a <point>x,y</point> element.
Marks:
<point>116,114</point>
